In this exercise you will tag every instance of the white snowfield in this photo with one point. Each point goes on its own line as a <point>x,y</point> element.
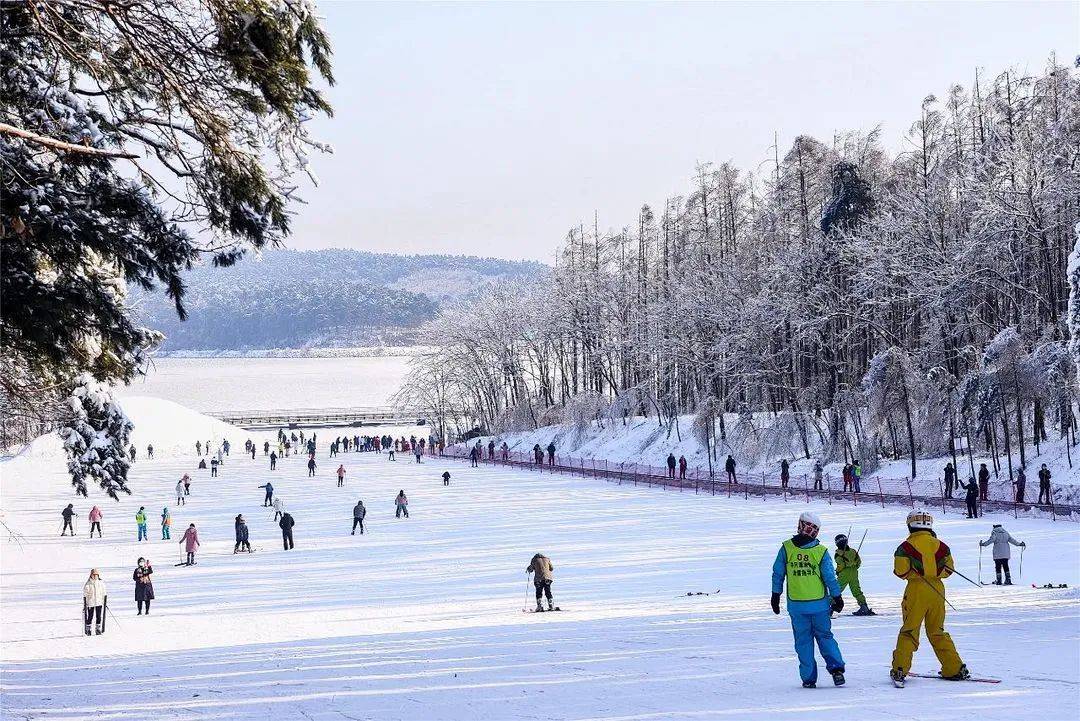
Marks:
<point>422,618</point>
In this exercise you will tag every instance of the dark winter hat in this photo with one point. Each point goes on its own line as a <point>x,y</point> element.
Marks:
<point>841,538</point>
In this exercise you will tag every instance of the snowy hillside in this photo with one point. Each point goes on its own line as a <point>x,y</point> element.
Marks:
<point>643,441</point>
<point>330,298</point>
<point>422,618</point>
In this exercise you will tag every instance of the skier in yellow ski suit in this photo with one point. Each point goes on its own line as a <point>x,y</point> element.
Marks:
<point>924,562</point>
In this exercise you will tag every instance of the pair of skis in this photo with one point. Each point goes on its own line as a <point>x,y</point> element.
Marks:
<point>938,676</point>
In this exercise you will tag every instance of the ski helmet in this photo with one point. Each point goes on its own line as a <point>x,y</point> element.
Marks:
<point>809,524</point>
<point>920,518</point>
<point>840,539</point>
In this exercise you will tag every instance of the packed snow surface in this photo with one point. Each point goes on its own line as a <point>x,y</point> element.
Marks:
<point>422,618</point>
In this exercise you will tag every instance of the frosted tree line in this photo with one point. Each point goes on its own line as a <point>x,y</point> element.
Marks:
<point>843,301</point>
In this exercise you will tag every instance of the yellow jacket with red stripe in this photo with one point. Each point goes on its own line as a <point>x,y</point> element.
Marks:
<point>922,554</point>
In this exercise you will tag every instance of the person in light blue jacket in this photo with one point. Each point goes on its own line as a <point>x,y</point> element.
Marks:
<point>812,595</point>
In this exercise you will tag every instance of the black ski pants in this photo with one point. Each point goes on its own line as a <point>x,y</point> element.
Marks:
<point>1001,564</point>
<point>358,522</point>
<point>972,507</point>
<point>286,539</point>
<point>1044,490</point>
<point>97,525</point>
<point>95,614</point>
<point>68,525</point>
<point>543,588</point>
<point>140,605</point>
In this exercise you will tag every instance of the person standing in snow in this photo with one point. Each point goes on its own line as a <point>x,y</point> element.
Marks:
<point>847,573</point>
<point>252,449</point>
<point>341,475</point>
<point>924,562</point>
<point>273,460</point>
<point>69,515</point>
<point>682,467</point>
<point>1020,483</point>
<point>187,484</point>
<point>538,454</point>
<point>166,524</point>
<point>266,448</point>
<point>543,576</point>
<point>785,473</point>
<point>972,497</point>
<point>286,524</point>
<point>473,454</point>
<point>504,448</point>
<point>984,482</point>
<point>144,585</point>
<point>729,468</point>
<point>140,521</point>
<point>95,521</point>
<point>818,486</point>
<point>551,453</point>
<point>950,479</point>
<point>401,504</point>
<point>1000,540</point>
<point>191,543</point>
<point>1044,485</point>
<point>269,488</point>
<point>446,478</point>
<point>311,467</point>
<point>846,474</point>
<point>241,531</point>
<point>214,463</point>
<point>856,476</point>
<point>131,452</point>
<point>279,509</point>
<point>491,449</point>
<point>180,493</point>
<point>95,599</point>
<point>198,448</point>
<point>358,514</point>
<point>804,566</point>
<point>671,465</point>
<point>150,451</point>
<point>417,452</point>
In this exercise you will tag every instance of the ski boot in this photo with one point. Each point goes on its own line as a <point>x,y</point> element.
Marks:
<point>551,605</point>
<point>838,678</point>
<point>86,629</point>
<point>100,629</point>
<point>539,607</point>
<point>997,581</point>
<point>897,677</point>
<point>962,675</point>
<point>1008,580</point>
<point>809,684</point>
<point>864,610</point>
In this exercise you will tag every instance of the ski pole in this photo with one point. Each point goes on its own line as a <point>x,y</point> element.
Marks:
<point>937,592</point>
<point>977,585</point>
<point>1020,571</point>
<point>527,579</point>
<point>112,616</point>
<point>980,564</point>
<point>859,548</point>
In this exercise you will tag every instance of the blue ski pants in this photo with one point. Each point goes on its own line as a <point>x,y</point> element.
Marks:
<point>807,628</point>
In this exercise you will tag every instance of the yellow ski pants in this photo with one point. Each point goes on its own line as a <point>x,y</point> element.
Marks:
<point>922,604</point>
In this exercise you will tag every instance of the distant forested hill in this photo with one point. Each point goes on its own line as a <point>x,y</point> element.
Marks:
<point>320,298</point>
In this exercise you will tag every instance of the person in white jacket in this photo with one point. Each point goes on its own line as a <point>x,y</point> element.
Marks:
<point>1001,539</point>
<point>95,599</point>
<point>180,501</point>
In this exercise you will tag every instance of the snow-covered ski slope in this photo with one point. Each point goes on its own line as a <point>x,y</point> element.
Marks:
<point>422,618</point>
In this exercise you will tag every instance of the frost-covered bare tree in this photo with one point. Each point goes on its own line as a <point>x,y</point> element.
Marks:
<point>773,293</point>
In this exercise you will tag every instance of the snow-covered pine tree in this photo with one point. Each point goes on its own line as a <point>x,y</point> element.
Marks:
<point>95,432</point>
<point>1074,301</point>
<point>216,92</point>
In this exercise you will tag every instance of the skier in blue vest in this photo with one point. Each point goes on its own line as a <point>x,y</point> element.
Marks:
<point>812,595</point>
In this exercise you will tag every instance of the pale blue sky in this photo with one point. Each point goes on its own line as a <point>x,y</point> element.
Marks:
<point>490,129</point>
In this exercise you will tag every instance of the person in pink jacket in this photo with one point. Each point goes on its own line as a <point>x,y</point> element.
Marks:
<point>95,521</point>
<point>191,542</point>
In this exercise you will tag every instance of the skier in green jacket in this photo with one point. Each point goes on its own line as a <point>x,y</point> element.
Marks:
<point>847,573</point>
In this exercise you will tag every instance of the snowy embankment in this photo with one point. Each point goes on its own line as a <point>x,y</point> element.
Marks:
<point>643,441</point>
<point>422,618</point>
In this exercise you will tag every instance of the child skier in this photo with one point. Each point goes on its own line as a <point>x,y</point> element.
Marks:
<point>804,564</point>
<point>1001,539</point>
<point>341,475</point>
<point>924,562</point>
<point>241,529</point>
<point>402,505</point>
<point>166,524</point>
<point>446,478</point>
<point>95,521</point>
<point>847,574</point>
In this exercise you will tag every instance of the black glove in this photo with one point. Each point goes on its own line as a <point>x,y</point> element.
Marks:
<point>837,604</point>
<point>775,603</point>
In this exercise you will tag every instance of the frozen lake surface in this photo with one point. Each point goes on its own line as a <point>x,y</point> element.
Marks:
<point>234,384</point>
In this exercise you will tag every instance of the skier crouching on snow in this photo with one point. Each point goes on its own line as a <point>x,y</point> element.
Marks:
<point>95,599</point>
<point>543,574</point>
<point>1000,539</point>
<point>924,562</point>
<point>847,574</point>
<point>804,564</point>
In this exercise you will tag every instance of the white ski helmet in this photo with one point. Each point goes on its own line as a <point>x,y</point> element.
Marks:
<point>920,518</point>
<point>809,524</point>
